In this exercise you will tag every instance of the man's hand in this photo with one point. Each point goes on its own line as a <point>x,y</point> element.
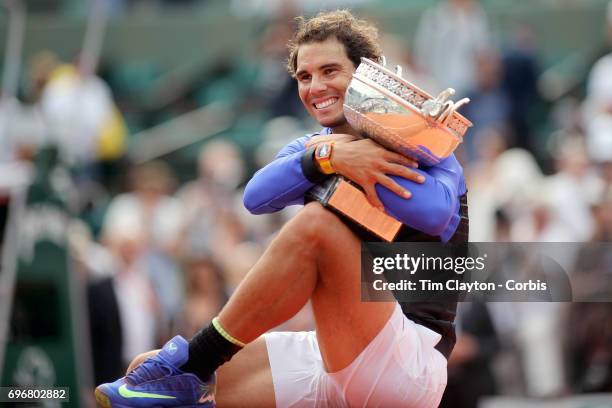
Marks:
<point>336,138</point>
<point>366,163</point>
<point>138,360</point>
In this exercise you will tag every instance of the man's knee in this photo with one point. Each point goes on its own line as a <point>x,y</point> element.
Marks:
<point>314,221</point>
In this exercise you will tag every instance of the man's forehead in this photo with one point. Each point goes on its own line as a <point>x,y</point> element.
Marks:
<point>317,65</point>
<point>319,54</point>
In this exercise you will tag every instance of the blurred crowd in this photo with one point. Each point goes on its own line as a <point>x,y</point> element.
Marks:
<point>162,254</point>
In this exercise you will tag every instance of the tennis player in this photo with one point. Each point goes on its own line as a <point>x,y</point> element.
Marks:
<point>361,354</point>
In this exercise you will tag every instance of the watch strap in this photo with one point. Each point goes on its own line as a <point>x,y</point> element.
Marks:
<point>324,162</point>
<point>309,168</point>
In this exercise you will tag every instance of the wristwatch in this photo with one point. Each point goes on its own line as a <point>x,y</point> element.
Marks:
<point>322,157</point>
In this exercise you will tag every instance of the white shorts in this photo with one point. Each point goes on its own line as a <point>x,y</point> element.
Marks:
<point>399,368</point>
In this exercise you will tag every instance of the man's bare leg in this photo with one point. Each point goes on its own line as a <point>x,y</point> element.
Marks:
<point>246,380</point>
<point>315,256</point>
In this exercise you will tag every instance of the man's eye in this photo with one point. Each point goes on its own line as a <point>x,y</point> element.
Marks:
<point>329,71</point>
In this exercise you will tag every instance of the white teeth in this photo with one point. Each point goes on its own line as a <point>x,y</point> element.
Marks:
<point>326,103</point>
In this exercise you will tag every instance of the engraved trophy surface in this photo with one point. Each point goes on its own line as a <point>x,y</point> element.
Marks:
<point>398,115</point>
<point>382,105</point>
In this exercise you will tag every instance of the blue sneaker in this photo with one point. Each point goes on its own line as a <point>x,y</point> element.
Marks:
<point>158,382</point>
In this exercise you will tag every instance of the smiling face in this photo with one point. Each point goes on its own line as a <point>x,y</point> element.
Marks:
<point>323,73</point>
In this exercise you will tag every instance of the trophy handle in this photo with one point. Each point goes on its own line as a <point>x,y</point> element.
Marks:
<point>446,116</point>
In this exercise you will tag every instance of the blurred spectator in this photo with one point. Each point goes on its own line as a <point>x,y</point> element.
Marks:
<point>23,128</point>
<point>489,105</point>
<point>480,176</point>
<point>228,233</point>
<point>536,221</point>
<point>505,316</point>
<point>105,332</point>
<point>105,321</point>
<point>137,303</point>
<point>500,179</point>
<point>398,53</point>
<point>588,326</point>
<point>571,191</point>
<point>149,206</point>
<point>588,336</point>
<point>148,221</point>
<point>276,90</point>
<point>18,148</point>
<point>80,116</point>
<point>205,294</point>
<point>598,105</point>
<point>469,368</point>
<point>538,337</point>
<point>520,74</point>
<point>603,218</point>
<point>598,108</point>
<point>277,132</point>
<point>22,133</point>
<point>449,36</point>
<point>206,200</point>
<point>237,266</point>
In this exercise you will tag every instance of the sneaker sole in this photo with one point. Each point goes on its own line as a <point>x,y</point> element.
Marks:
<point>104,402</point>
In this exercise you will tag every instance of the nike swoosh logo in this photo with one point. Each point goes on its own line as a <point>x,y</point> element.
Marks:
<point>127,393</point>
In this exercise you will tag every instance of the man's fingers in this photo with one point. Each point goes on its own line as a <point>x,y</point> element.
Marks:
<point>404,172</point>
<point>393,186</point>
<point>399,159</point>
<point>373,197</point>
<point>316,140</point>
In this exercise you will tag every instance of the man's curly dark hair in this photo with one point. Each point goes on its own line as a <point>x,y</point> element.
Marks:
<point>359,37</point>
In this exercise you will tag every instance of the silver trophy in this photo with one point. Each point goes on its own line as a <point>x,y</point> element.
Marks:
<point>383,106</point>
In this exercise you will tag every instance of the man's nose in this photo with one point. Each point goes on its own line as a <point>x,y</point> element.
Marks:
<point>318,85</point>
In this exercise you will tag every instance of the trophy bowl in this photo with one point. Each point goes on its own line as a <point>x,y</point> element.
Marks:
<point>385,107</point>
